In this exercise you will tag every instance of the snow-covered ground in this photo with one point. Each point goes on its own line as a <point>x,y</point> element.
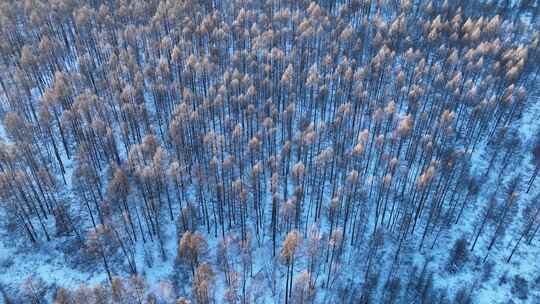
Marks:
<point>62,263</point>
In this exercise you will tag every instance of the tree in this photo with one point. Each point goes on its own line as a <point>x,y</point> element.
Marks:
<point>288,251</point>
<point>502,221</point>
<point>354,125</point>
<point>458,255</point>
<point>100,243</point>
<point>202,283</point>
<point>530,215</point>
<point>34,289</point>
<point>62,296</point>
<point>138,288</point>
<point>191,248</point>
<point>117,290</point>
<point>536,163</point>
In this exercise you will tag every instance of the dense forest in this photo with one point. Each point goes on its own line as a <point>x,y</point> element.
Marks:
<point>269,151</point>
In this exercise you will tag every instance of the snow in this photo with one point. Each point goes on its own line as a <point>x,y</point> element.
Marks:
<point>48,261</point>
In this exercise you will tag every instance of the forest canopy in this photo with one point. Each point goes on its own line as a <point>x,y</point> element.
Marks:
<point>273,151</point>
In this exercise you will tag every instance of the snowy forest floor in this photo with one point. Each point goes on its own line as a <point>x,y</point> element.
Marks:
<point>60,263</point>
